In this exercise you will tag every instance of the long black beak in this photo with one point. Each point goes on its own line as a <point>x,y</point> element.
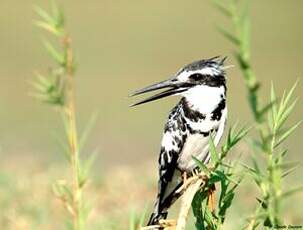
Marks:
<point>173,84</point>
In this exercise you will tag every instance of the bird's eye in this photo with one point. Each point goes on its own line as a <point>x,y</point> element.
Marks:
<point>196,77</point>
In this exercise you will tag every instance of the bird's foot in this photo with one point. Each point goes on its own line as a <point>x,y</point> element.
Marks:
<point>195,175</point>
<point>186,182</point>
<point>163,225</point>
<point>168,224</point>
<point>196,172</point>
<point>184,177</point>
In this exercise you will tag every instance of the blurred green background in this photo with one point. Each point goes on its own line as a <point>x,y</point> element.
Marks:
<point>121,46</point>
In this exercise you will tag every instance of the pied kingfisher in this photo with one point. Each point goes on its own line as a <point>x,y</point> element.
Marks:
<point>200,112</point>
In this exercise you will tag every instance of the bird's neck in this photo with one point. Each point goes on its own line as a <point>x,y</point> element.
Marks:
<point>204,99</point>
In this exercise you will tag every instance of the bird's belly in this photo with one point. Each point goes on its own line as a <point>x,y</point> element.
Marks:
<point>195,145</point>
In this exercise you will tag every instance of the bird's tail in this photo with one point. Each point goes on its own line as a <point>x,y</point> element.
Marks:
<point>162,205</point>
<point>159,213</point>
<point>156,217</point>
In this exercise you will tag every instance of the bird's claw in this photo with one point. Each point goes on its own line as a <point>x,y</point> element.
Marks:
<point>184,177</point>
<point>168,224</point>
<point>163,225</point>
<point>196,172</point>
<point>195,175</point>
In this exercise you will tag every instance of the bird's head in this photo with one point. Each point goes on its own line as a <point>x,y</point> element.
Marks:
<point>208,72</point>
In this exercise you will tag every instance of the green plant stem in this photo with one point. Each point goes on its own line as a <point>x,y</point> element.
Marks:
<point>270,190</point>
<point>268,128</point>
<point>58,89</point>
<point>72,133</point>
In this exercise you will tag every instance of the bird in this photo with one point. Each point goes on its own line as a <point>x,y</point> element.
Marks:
<point>200,113</point>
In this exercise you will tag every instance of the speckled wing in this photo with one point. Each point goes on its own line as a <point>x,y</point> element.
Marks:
<point>170,178</point>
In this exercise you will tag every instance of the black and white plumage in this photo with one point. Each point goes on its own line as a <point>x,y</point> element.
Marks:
<point>201,112</point>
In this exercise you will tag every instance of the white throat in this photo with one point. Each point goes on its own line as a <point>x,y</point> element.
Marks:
<point>204,98</point>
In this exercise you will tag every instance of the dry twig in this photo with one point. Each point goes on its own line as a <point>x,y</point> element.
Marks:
<point>190,187</point>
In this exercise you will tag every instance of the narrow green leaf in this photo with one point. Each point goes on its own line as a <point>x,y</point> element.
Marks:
<point>90,161</point>
<point>286,165</point>
<point>63,145</point>
<point>255,172</point>
<point>143,217</point>
<point>266,108</point>
<point>272,99</point>
<point>86,210</point>
<point>209,218</point>
<point>223,9</point>
<point>43,80</point>
<point>226,165</point>
<point>213,151</point>
<point>91,123</point>
<point>197,203</point>
<point>47,27</point>
<point>233,39</point>
<point>286,173</point>
<point>227,201</point>
<point>269,220</point>
<point>230,179</point>
<point>41,85</point>
<point>290,93</point>
<point>86,168</point>
<point>270,121</point>
<point>44,15</point>
<point>234,138</point>
<point>255,164</point>
<point>282,104</point>
<point>69,224</point>
<point>38,86</point>
<point>262,203</point>
<point>58,14</point>
<point>55,9</point>
<point>214,179</point>
<point>245,35</point>
<point>291,192</point>
<point>244,10</point>
<point>51,23</point>
<point>39,96</point>
<point>242,132</point>
<point>224,187</point>
<point>283,117</point>
<point>53,101</point>
<point>62,190</point>
<point>132,220</point>
<point>283,153</point>
<point>287,133</point>
<point>202,166</point>
<point>220,174</point>
<point>65,124</point>
<point>261,215</point>
<point>45,98</point>
<point>56,55</point>
<point>257,145</point>
<point>249,168</point>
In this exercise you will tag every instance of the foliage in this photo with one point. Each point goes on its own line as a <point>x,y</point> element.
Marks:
<point>226,175</point>
<point>269,118</point>
<point>57,89</point>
